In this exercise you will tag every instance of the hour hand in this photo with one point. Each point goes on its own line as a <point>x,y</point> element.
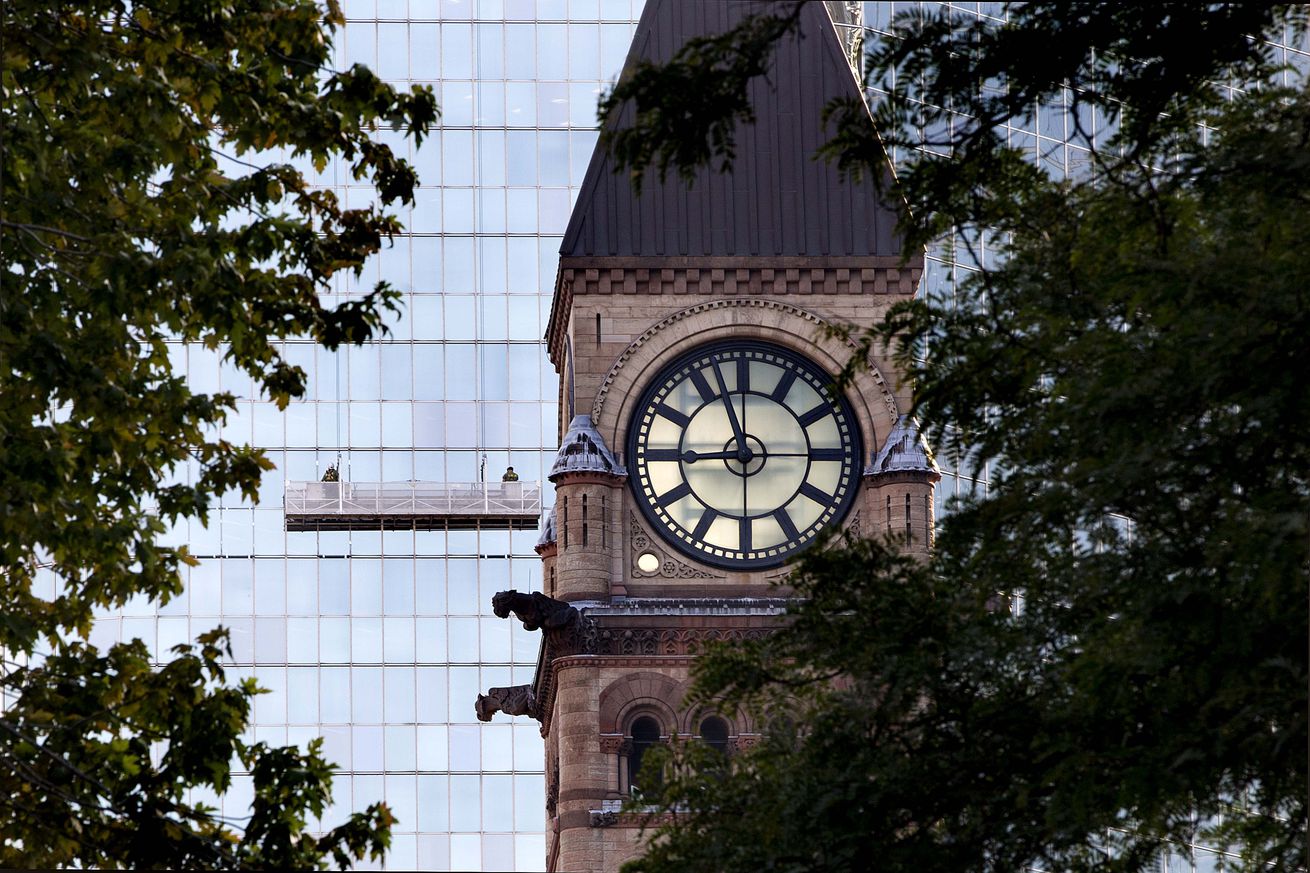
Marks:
<point>690,456</point>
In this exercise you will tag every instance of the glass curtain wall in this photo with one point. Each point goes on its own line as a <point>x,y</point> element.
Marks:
<point>379,641</point>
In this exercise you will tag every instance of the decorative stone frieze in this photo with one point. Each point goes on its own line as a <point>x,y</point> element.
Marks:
<point>616,744</point>
<point>744,742</point>
<point>721,277</point>
<point>668,567</point>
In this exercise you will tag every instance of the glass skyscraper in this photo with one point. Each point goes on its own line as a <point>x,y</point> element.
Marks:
<point>379,639</point>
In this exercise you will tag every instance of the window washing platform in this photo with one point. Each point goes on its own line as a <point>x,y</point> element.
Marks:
<point>422,505</point>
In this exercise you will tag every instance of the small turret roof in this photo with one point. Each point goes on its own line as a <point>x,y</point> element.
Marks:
<point>583,450</point>
<point>905,451</point>
<point>547,529</point>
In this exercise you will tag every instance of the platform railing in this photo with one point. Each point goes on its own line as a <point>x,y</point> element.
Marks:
<point>416,499</point>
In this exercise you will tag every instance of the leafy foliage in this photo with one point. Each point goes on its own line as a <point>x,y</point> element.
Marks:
<point>688,110</point>
<point>948,84</point>
<point>103,751</point>
<point>140,205</point>
<point>1106,655</point>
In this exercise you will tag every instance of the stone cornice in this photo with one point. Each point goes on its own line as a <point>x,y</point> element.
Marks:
<point>901,476</point>
<point>688,262</point>
<point>807,276</point>
<point>591,661</point>
<point>885,277</point>
<point>686,606</point>
<point>589,477</point>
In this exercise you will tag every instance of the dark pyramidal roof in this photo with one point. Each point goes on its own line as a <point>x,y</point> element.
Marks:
<point>777,200</point>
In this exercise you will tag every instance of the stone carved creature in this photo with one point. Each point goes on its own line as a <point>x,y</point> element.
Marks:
<point>535,610</point>
<point>512,700</point>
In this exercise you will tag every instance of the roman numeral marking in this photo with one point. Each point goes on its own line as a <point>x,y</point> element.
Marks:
<point>827,454</point>
<point>818,495</point>
<point>702,387</point>
<point>681,419</point>
<point>663,454</point>
<point>783,386</point>
<point>702,527</point>
<point>815,414</point>
<point>673,495</point>
<point>744,525</point>
<point>743,375</point>
<point>784,521</point>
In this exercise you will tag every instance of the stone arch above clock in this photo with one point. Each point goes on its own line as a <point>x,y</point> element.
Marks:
<point>742,318</point>
<point>609,326</point>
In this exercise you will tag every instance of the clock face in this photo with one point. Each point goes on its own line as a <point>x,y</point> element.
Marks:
<point>740,453</point>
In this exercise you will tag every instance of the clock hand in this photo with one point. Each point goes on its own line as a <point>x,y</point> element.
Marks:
<point>744,453</point>
<point>691,456</point>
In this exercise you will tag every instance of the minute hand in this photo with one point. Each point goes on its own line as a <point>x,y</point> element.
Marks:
<point>737,432</point>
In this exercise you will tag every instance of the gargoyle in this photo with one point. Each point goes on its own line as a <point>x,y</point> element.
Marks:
<point>535,610</point>
<point>513,700</point>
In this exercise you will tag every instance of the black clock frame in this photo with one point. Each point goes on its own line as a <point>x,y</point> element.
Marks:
<point>828,389</point>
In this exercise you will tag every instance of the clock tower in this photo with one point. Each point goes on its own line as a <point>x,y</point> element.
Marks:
<point>697,330</point>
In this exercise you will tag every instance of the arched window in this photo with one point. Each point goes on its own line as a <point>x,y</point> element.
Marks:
<point>714,733</point>
<point>645,733</point>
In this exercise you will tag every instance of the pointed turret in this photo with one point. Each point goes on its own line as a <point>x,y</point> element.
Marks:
<point>547,537</point>
<point>905,451</point>
<point>899,487</point>
<point>547,547</point>
<point>583,450</point>
<point>587,480</point>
